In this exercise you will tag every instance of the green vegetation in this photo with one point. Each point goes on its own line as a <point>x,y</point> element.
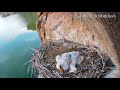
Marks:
<point>30,18</point>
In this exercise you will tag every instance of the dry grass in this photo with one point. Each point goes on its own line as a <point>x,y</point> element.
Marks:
<point>95,65</point>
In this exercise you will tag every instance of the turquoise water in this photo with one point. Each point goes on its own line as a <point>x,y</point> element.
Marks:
<point>15,46</point>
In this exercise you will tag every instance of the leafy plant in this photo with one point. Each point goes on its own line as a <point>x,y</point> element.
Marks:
<point>30,18</point>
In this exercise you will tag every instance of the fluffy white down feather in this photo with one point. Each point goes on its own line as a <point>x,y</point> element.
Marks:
<point>58,60</point>
<point>69,60</point>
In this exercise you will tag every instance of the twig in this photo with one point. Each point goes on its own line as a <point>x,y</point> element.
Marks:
<point>101,57</point>
<point>27,62</point>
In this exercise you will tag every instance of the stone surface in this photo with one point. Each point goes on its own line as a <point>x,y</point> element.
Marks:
<point>100,32</point>
<point>113,74</point>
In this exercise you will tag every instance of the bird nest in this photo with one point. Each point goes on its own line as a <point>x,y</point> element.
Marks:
<point>95,64</point>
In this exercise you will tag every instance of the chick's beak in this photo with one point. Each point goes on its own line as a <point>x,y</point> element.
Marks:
<point>61,70</point>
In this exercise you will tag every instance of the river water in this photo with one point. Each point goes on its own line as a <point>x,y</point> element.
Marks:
<point>15,46</point>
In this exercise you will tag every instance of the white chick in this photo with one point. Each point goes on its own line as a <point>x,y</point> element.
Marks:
<point>72,68</point>
<point>63,61</point>
<point>69,60</point>
<point>74,59</point>
<point>58,60</point>
<point>66,60</point>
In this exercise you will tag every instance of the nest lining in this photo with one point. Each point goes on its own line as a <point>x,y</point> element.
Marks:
<point>95,64</point>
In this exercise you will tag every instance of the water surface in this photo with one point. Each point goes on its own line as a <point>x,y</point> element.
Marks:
<point>15,46</point>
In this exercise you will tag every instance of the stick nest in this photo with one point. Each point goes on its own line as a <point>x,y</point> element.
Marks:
<point>95,64</point>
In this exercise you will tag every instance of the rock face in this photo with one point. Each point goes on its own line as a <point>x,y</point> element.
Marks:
<point>115,73</point>
<point>84,28</point>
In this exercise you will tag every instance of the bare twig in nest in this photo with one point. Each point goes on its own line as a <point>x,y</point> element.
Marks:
<point>28,62</point>
<point>28,69</point>
<point>101,57</point>
<point>57,74</point>
<point>98,75</point>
